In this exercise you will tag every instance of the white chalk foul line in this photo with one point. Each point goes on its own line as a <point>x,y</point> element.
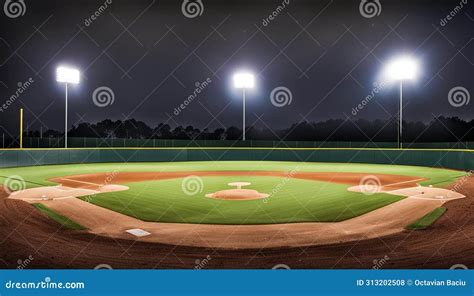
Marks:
<point>83,182</point>
<point>404,182</point>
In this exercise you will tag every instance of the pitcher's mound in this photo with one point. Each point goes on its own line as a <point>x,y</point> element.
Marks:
<point>238,194</point>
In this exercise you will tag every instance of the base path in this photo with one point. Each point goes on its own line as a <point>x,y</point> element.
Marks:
<point>381,222</point>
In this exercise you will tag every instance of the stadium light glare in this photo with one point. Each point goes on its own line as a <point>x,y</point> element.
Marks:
<point>244,80</point>
<point>402,68</point>
<point>67,75</point>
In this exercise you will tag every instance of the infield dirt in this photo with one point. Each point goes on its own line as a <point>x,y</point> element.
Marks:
<point>381,222</point>
<point>25,231</point>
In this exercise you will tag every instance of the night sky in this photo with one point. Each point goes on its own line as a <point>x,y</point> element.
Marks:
<point>151,56</point>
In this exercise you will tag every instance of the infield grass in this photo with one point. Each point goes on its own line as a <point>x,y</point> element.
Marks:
<point>295,200</point>
<point>292,200</point>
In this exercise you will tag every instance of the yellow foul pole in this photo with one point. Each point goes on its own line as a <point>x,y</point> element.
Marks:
<point>21,128</point>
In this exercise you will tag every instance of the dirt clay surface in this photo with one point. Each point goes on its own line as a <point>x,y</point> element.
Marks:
<point>25,232</point>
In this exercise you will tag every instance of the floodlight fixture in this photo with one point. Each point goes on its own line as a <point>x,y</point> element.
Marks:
<point>244,80</point>
<point>67,76</point>
<point>400,69</point>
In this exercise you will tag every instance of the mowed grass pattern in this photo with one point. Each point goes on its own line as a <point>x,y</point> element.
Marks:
<point>291,200</point>
<point>37,176</point>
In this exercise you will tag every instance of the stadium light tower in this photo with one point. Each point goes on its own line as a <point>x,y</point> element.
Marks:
<point>67,75</point>
<point>244,80</point>
<point>402,68</point>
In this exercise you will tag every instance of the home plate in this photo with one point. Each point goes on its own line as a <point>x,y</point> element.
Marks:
<point>138,232</point>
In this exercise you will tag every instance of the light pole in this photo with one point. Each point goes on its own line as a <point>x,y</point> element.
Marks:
<point>244,81</point>
<point>67,75</point>
<point>400,69</point>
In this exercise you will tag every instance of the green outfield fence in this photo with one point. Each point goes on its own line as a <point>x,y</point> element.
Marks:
<point>107,142</point>
<point>446,158</point>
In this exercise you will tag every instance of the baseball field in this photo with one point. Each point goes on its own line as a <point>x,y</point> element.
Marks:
<point>235,204</point>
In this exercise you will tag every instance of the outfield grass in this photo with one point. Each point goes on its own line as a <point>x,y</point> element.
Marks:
<point>64,221</point>
<point>438,177</point>
<point>426,221</point>
<point>295,200</point>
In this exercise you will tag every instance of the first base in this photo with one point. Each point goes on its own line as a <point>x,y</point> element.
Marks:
<point>138,232</point>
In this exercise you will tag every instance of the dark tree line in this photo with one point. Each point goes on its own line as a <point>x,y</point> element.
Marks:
<point>441,129</point>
